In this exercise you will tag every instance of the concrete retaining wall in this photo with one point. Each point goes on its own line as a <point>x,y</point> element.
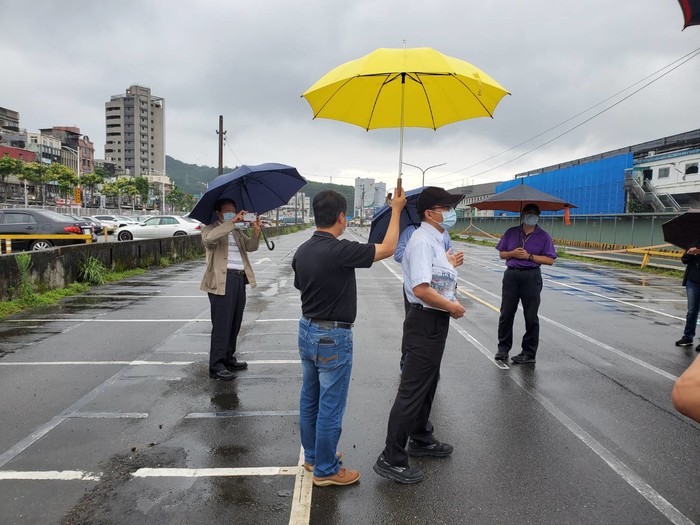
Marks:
<point>58,267</point>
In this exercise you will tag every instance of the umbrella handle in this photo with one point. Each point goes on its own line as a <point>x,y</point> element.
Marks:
<point>270,244</point>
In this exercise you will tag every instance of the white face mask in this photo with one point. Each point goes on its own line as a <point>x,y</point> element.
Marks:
<point>530,219</point>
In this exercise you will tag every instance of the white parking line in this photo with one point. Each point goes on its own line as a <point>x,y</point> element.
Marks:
<point>109,415</point>
<point>237,414</point>
<point>214,472</point>
<point>301,499</point>
<point>68,363</point>
<point>60,475</point>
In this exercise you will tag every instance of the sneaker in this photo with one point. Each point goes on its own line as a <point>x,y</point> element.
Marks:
<point>684,341</point>
<point>522,359</point>
<point>309,467</point>
<point>501,356</point>
<point>342,477</point>
<point>434,449</point>
<point>405,475</point>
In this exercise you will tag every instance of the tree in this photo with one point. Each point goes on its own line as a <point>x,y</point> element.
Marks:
<point>37,174</point>
<point>143,188</point>
<point>88,181</point>
<point>174,197</point>
<point>65,178</point>
<point>9,166</point>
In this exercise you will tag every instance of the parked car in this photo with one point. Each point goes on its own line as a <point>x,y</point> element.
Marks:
<point>112,222</point>
<point>29,221</point>
<point>84,222</point>
<point>160,226</point>
<point>100,228</point>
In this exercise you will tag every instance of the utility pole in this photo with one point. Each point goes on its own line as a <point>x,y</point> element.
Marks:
<point>303,198</point>
<point>296,206</point>
<point>221,134</point>
<point>362,205</point>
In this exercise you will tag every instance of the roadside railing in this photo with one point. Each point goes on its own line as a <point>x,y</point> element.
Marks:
<point>6,239</point>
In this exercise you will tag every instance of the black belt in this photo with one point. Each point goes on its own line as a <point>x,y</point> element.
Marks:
<point>523,268</point>
<point>328,325</point>
<point>418,306</point>
<point>235,272</point>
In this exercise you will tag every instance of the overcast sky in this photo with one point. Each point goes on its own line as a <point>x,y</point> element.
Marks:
<point>250,60</point>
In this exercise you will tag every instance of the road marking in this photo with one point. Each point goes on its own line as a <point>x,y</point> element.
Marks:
<point>478,345</point>
<point>148,296</point>
<point>583,290</point>
<point>237,414</point>
<point>149,378</point>
<point>301,499</point>
<point>275,362</point>
<point>583,336</point>
<point>214,472</point>
<point>275,320</point>
<point>73,320</point>
<point>262,260</point>
<point>622,470</point>
<point>67,363</point>
<point>109,415</point>
<point>60,475</point>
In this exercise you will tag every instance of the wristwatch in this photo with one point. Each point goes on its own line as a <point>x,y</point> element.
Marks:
<point>530,258</point>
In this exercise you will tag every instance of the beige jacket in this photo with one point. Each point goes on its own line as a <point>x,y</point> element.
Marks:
<point>215,239</point>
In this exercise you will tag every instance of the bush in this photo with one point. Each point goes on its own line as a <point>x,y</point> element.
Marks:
<point>92,271</point>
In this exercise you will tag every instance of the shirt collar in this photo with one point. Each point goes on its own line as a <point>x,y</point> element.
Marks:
<point>434,232</point>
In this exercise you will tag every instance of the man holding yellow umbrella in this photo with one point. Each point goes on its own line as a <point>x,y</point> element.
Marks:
<point>390,88</point>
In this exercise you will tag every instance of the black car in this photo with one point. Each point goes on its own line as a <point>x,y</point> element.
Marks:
<point>25,221</point>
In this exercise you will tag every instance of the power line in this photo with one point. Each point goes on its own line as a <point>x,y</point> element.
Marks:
<point>684,59</point>
<point>234,153</point>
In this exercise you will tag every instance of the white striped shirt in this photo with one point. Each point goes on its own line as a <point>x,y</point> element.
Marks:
<point>235,262</point>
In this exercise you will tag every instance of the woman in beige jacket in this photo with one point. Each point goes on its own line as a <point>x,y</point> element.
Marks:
<point>227,273</point>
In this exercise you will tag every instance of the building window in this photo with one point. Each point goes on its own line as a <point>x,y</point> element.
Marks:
<point>664,173</point>
<point>691,168</point>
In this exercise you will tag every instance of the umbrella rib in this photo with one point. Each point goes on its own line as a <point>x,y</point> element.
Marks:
<point>347,81</point>
<point>387,79</point>
<point>473,94</point>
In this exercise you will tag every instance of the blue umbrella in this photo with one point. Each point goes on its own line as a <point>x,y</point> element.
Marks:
<point>409,215</point>
<point>256,189</point>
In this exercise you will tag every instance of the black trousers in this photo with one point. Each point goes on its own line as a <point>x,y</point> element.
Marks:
<point>226,318</point>
<point>424,336</point>
<point>525,286</point>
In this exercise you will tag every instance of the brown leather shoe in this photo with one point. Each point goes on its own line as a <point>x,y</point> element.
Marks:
<point>309,467</point>
<point>342,477</point>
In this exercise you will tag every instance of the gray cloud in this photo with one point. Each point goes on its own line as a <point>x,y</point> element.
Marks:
<point>251,61</point>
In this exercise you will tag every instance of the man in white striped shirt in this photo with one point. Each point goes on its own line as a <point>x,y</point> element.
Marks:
<point>227,273</point>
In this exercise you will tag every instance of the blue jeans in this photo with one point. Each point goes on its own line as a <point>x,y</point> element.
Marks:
<point>692,290</point>
<point>326,363</point>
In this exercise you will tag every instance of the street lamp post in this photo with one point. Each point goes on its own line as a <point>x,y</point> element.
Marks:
<point>424,170</point>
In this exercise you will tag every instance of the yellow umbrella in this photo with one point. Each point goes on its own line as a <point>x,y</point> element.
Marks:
<point>397,88</point>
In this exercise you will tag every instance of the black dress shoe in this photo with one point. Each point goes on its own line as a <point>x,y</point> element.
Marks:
<point>222,375</point>
<point>237,365</point>
<point>522,359</point>
<point>501,356</point>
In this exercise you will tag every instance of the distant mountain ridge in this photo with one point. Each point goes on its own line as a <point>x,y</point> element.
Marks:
<point>192,178</point>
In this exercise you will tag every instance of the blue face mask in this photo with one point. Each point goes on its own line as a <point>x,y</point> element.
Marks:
<point>449,219</point>
<point>530,219</point>
<point>228,216</point>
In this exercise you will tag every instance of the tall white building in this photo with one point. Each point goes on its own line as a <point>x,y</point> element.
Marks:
<point>364,197</point>
<point>135,140</point>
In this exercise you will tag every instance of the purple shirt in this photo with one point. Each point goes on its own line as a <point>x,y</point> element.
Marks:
<point>537,243</point>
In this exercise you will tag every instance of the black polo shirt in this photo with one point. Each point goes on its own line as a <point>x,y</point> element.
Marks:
<point>324,271</point>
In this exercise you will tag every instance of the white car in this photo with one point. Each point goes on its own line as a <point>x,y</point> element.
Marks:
<point>160,226</point>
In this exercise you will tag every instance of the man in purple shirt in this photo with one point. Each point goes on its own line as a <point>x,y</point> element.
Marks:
<point>524,248</point>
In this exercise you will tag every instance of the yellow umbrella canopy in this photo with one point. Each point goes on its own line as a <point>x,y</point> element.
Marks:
<point>415,87</point>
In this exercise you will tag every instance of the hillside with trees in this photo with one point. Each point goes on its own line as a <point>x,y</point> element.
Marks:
<point>192,178</point>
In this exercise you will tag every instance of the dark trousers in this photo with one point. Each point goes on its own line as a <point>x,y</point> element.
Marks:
<point>226,317</point>
<point>424,336</point>
<point>524,286</point>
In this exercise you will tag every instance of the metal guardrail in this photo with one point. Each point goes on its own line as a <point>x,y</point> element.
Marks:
<point>6,240</point>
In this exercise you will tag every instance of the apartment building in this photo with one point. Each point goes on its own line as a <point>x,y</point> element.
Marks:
<point>135,133</point>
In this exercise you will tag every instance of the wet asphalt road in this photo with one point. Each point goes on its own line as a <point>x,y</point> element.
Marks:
<point>113,383</point>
